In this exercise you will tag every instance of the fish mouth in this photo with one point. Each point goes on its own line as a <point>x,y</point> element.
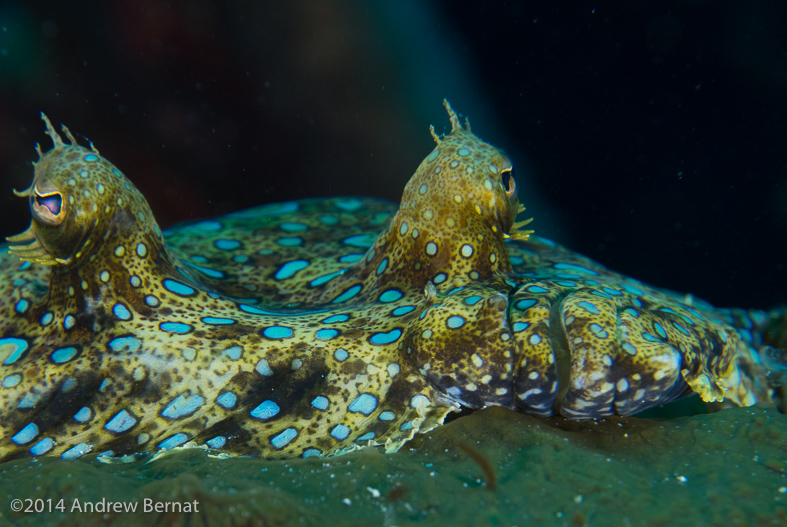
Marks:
<point>48,207</point>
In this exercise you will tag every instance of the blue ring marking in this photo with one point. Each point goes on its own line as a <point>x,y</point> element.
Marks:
<point>283,439</point>
<point>217,442</point>
<point>387,416</point>
<point>402,310</point>
<point>328,220</point>
<point>340,354</point>
<point>290,268</point>
<point>320,402</point>
<point>290,241</point>
<point>219,321</point>
<point>589,306</point>
<point>42,447</point>
<point>325,278</point>
<point>121,312</point>
<point>440,278</point>
<point>366,437</point>
<point>291,226</point>
<point>69,322</point>
<point>63,355</point>
<point>535,339</point>
<point>335,318</point>
<point>463,151</point>
<point>537,289</point>
<point>520,326</point>
<point>350,258</point>
<point>632,312</point>
<point>601,293</point>
<point>524,305</point>
<point>277,332</point>
<point>265,410</point>
<point>121,422</point>
<point>263,368</point>
<point>90,157</point>
<point>18,348</point>
<point>364,403</point>
<point>76,451</point>
<point>233,353</point>
<point>348,294</point>
<point>26,434</point>
<point>182,406</point>
<point>226,245</point>
<point>629,348</point>
<point>83,414</point>
<point>613,292</point>
<point>130,344</point>
<point>472,300</point>
<point>599,331</point>
<point>135,281</point>
<point>312,452</point>
<point>392,295</point>
<point>455,322</point>
<point>433,155</point>
<point>21,306</point>
<point>340,432</point>
<point>175,327</point>
<point>386,338</point>
<point>633,290</point>
<point>172,442</point>
<point>326,334</point>
<point>227,399</point>
<point>349,204</point>
<point>179,288</point>
<point>363,241</point>
<point>382,266</point>
<point>11,380</point>
<point>151,300</point>
<point>207,271</point>
<point>660,330</point>
<point>574,267</point>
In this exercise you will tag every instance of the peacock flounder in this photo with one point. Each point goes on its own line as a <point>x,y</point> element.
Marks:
<point>295,330</point>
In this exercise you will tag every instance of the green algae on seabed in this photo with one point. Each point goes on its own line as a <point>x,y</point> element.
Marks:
<point>727,468</point>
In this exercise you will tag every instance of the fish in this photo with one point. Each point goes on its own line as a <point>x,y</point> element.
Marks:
<point>317,327</point>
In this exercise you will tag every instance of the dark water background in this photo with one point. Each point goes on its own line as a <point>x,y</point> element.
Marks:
<point>648,135</point>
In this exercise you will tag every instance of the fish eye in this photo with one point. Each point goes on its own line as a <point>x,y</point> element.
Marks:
<point>48,207</point>
<point>507,180</point>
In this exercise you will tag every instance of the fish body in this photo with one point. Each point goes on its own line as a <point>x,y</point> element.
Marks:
<point>315,327</point>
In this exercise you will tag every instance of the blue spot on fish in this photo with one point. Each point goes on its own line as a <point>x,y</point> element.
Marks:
<point>265,410</point>
<point>26,434</point>
<point>348,294</point>
<point>524,305</point>
<point>83,414</point>
<point>455,322</point>
<point>226,245</point>
<point>277,332</point>
<point>76,452</point>
<point>283,439</point>
<point>63,355</point>
<point>574,267</point>
<point>175,327</point>
<point>382,266</point>
<point>216,442</point>
<point>13,348</point>
<point>130,344</point>
<point>363,241</point>
<point>179,288</point>
<point>340,432</point>
<point>290,241</point>
<point>233,353</point>
<point>293,226</point>
<point>325,278</point>
<point>588,306</point>
<point>340,354</point>
<point>520,326</point>
<point>320,402</point>
<point>386,338</point>
<point>121,312</point>
<point>391,295</point>
<point>335,318</point>
<point>227,399</point>
<point>121,422</point>
<point>263,368</point>
<point>326,334</point>
<point>172,442</point>
<point>42,447</point>
<point>537,289</point>
<point>290,268</point>
<point>402,310</point>
<point>182,406</point>
<point>365,404</point>
<point>218,320</point>
<point>472,300</point>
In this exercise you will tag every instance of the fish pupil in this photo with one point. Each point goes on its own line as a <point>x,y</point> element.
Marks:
<point>53,202</point>
<point>507,180</point>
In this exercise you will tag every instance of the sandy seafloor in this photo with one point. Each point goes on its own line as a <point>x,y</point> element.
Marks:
<point>722,469</point>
